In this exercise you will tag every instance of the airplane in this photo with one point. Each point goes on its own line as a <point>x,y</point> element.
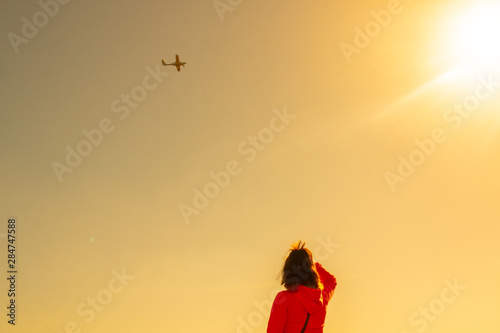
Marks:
<point>177,63</point>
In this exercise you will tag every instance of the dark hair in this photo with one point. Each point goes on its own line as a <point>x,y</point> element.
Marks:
<point>299,268</point>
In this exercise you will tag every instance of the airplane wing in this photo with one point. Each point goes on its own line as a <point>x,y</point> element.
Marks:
<point>177,58</point>
<point>163,62</point>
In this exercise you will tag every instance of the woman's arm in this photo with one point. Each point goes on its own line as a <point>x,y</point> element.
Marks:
<point>328,280</point>
<point>279,313</point>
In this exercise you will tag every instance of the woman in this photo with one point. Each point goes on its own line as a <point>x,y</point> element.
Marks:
<point>309,288</point>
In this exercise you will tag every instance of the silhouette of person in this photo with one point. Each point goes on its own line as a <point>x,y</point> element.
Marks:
<point>309,288</point>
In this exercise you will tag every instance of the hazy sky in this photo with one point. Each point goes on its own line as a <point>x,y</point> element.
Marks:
<point>148,199</point>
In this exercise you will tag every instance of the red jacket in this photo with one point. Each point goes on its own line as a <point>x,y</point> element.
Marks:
<point>288,313</point>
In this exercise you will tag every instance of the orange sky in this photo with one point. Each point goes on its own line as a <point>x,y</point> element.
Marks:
<point>148,199</point>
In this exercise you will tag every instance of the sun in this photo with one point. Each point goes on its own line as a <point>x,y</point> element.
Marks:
<point>475,34</point>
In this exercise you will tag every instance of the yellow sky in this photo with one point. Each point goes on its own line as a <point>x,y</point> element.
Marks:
<point>148,199</point>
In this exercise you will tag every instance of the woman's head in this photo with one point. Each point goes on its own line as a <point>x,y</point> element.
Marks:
<point>299,268</point>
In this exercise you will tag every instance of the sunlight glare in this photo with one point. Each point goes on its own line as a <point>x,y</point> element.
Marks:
<point>474,34</point>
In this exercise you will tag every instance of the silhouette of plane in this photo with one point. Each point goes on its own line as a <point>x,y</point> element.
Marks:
<point>177,63</point>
